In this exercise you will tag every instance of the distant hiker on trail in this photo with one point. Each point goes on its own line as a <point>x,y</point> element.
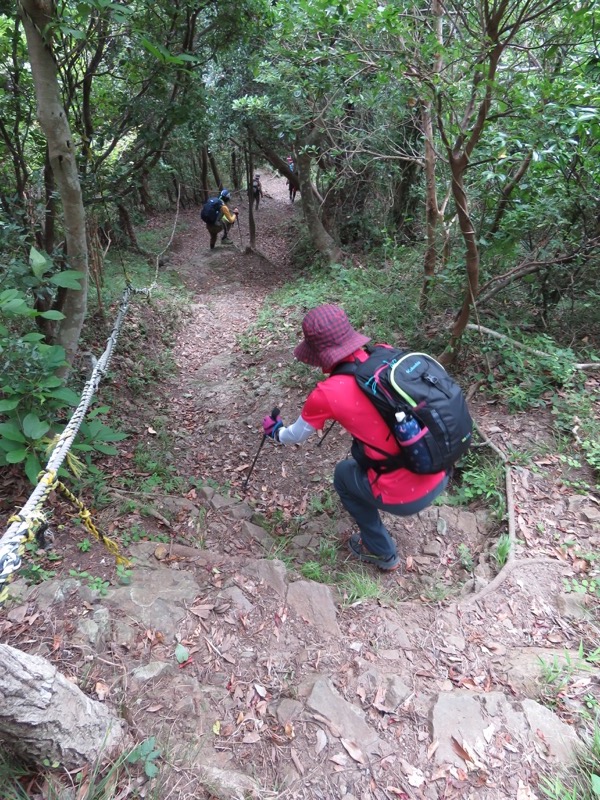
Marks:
<point>217,216</point>
<point>257,191</point>
<point>330,342</point>
<point>291,185</point>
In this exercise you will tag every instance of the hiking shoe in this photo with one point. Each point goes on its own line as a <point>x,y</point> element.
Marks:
<point>358,549</point>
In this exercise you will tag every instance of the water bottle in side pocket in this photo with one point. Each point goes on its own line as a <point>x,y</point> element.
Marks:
<point>410,438</point>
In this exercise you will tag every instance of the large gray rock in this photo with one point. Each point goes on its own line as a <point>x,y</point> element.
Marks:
<point>462,718</point>
<point>92,632</point>
<point>271,572</point>
<point>387,690</point>
<point>348,720</point>
<point>149,672</point>
<point>549,734</point>
<point>393,631</point>
<point>524,667</point>
<point>230,785</point>
<point>457,716</point>
<point>258,534</point>
<point>314,602</point>
<point>157,600</point>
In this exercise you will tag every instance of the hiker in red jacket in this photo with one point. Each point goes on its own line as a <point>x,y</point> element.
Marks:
<point>329,339</point>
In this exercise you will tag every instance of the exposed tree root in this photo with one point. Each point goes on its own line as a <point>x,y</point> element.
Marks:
<point>511,565</point>
<point>512,562</point>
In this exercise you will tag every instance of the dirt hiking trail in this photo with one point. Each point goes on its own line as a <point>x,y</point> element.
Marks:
<point>354,686</point>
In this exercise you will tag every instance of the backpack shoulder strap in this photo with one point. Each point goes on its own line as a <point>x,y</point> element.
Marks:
<point>345,368</point>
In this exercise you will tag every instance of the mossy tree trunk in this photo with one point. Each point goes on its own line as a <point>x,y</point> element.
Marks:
<point>37,19</point>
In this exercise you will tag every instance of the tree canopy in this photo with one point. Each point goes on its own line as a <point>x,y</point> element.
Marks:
<point>467,131</point>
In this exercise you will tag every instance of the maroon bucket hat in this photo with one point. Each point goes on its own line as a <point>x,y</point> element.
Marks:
<point>328,338</point>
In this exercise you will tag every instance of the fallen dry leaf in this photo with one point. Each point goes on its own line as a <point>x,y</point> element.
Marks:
<point>101,690</point>
<point>432,748</point>
<point>440,773</point>
<point>494,647</point>
<point>580,565</point>
<point>297,763</point>
<point>488,733</point>
<point>460,750</point>
<point>18,614</point>
<point>416,779</point>
<point>353,750</point>
<point>378,700</point>
<point>321,741</point>
<point>251,737</point>
<point>414,775</point>
<point>202,611</point>
<point>524,792</point>
<point>333,728</point>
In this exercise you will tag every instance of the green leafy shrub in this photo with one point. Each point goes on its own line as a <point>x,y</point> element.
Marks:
<point>33,400</point>
<point>575,416</point>
<point>480,478</point>
<point>521,378</point>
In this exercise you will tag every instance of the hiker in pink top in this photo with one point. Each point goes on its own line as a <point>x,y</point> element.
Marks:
<point>329,339</point>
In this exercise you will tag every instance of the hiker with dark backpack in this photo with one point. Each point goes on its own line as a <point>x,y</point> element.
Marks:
<point>291,184</point>
<point>407,417</point>
<point>257,191</point>
<point>218,218</point>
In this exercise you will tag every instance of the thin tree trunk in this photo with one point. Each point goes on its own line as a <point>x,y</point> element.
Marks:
<point>43,716</point>
<point>61,149</point>
<point>204,174</point>
<point>458,165</point>
<point>215,170</point>
<point>96,257</point>
<point>50,215</point>
<point>249,177</point>
<point>507,191</point>
<point>15,143</point>
<point>145,196</point>
<point>458,158</point>
<point>127,227</point>
<point>322,241</point>
<point>431,207</point>
<point>432,212</point>
<point>235,171</point>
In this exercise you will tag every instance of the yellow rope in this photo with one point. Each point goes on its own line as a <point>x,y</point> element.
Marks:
<point>86,518</point>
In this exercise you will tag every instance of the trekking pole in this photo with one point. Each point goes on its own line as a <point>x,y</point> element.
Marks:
<point>274,415</point>
<point>240,230</point>
<point>322,439</point>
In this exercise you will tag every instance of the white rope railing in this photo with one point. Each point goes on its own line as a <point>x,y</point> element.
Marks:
<point>30,517</point>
